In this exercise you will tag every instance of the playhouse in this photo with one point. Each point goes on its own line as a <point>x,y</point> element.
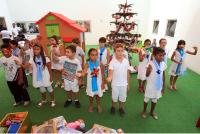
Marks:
<point>57,24</point>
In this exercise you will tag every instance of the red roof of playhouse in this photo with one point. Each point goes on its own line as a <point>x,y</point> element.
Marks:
<point>65,19</point>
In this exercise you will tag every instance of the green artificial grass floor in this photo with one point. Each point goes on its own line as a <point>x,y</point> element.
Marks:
<point>178,110</point>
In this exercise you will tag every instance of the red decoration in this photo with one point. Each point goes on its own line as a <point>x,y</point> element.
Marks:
<point>95,72</point>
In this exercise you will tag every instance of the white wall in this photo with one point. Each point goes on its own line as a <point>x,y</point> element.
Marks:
<point>98,11</point>
<point>187,14</point>
<point>5,13</point>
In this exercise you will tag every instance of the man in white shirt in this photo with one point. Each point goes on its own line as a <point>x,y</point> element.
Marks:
<point>5,35</point>
<point>15,30</point>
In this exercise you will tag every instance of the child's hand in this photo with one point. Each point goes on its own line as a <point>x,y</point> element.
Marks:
<point>179,62</point>
<point>102,85</point>
<point>51,79</point>
<point>109,79</point>
<point>163,91</point>
<point>195,48</point>
<point>65,73</point>
<point>78,74</point>
<point>5,63</point>
<point>17,62</point>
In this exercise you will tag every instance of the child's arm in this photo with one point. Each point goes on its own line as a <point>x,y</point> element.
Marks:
<point>22,54</point>
<point>85,70</point>
<point>108,56</point>
<point>193,53</point>
<point>83,60</point>
<point>128,79</point>
<point>102,75</point>
<point>110,75</point>
<point>149,69</point>
<point>20,73</point>
<point>163,89</point>
<point>50,71</point>
<point>141,56</point>
<point>173,58</point>
<point>62,50</point>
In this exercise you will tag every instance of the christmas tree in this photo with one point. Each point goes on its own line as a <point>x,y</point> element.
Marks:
<point>124,26</point>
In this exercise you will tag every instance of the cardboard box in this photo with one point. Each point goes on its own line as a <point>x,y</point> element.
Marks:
<point>25,121</point>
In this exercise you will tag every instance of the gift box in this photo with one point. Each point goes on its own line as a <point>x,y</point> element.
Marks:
<point>99,129</point>
<point>17,122</point>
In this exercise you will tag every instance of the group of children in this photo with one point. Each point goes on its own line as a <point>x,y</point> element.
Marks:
<point>100,69</point>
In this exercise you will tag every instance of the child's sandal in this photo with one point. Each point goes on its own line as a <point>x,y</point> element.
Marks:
<point>41,103</point>
<point>53,104</point>
<point>170,87</point>
<point>174,87</point>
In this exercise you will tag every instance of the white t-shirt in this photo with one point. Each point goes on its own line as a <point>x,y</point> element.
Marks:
<point>10,68</point>
<point>15,31</point>
<point>151,91</point>
<point>72,66</point>
<point>120,73</point>
<point>5,34</point>
<point>79,54</point>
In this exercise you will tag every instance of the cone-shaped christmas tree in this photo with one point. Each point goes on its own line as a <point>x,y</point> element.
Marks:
<point>124,25</point>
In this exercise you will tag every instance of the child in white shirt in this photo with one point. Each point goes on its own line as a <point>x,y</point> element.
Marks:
<point>71,67</point>
<point>119,75</point>
<point>14,76</point>
<point>155,81</point>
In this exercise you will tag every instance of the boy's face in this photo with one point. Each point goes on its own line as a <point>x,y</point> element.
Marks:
<point>119,52</point>
<point>159,57</point>
<point>101,44</point>
<point>163,43</point>
<point>69,53</point>
<point>6,52</point>
<point>94,55</point>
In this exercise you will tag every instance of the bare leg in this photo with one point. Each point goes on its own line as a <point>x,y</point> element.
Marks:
<point>91,104</point>
<point>171,82</point>
<point>69,95</point>
<point>143,85</point>
<point>140,85</point>
<point>44,96</point>
<point>52,96</point>
<point>99,109</point>
<point>153,114</point>
<point>174,83</point>
<point>144,113</point>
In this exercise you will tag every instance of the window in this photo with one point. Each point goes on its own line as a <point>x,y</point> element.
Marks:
<point>155,26</point>
<point>171,27</point>
<point>2,23</point>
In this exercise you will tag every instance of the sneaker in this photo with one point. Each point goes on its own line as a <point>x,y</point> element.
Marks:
<point>26,103</point>
<point>53,104</point>
<point>67,103</point>
<point>77,104</point>
<point>16,104</point>
<point>121,112</point>
<point>41,103</point>
<point>154,116</point>
<point>112,110</point>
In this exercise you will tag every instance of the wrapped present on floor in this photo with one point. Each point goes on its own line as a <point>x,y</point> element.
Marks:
<point>17,122</point>
<point>57,125</point>
<point>99,129</point>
